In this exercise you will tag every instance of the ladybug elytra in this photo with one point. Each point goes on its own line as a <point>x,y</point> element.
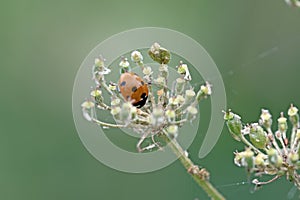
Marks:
<point>133,88</point>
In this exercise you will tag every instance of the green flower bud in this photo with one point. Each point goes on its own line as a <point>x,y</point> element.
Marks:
<point>173,131</point>
<point>191,113</point>
<point>238,158</point>
<point>112,87</point>
<point>180,99</point>
<point>97,95</point>
<point>293,115</point>
<point>171,115</point>
<point>125,66</point>
<point>245,159</point>
<point>265,118</point>
<point>189,94</point>
<point>116,112</point>
<point>293,157</point>
<point>99,70</point>
<point>234,124</point>
<point>248,159</point>
<point>282,124</point>
<point>274,158</point>
<point>159,54</point>
<point>133,112</point>
<point>99,62</point>
<point>257,136</point>
<point>205,90</point>
<point>180,82</point>
<point>173,102</point>
<point>183,70</point>
<point>259,160</point>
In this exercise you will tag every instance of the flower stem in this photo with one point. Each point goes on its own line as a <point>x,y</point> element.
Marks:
<point>200,176</point>
<point>108,124</point>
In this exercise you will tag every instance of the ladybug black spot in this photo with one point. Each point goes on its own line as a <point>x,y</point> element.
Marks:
<point>142,102</point>
<point>134,89</point>
<point>123,83</point>
<point>143,96</point>
<point>142,82</point>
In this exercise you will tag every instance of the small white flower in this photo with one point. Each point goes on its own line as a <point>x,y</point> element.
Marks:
<point>189,94</point>
<point>112,87</point>
<point>95,93</point>
<point>87,104</point>
<point>206,89</point>
<point>115,102</point>
<point>136,56</point>
<point>246,130</point>
<point>173,101</point>
<point>124,63</point>
<point>147,71</point>
<point>155,48</point>
<point>180,99</point>
<point>115,111</point>
<point>173,129</point>
<point>192,110</point>
<point>170,115</point>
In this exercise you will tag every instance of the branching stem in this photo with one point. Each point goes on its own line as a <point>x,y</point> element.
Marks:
<point>197,174</point>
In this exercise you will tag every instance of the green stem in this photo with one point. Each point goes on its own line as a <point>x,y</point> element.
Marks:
<point>188,165</point>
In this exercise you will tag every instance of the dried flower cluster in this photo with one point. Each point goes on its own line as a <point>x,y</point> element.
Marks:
<point>267,152</point>
<point>165,111</point>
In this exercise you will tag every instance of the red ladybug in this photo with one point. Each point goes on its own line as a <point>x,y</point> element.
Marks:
<point>133,89</point>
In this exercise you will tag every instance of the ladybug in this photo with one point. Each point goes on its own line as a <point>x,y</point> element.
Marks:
<point>133,88</point>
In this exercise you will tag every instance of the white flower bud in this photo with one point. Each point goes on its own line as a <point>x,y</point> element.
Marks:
<point>87,110</point>
<point>180,99</point>
<point>157,117</point>
<point>189,94</point>
<point>170,115</point>
<point>124,63</point>
<point>147,71</point>
<point>115,102</point>
<point>87,105</point>
<point>173,130</point>
<point>136,56</point>
<point>191,113</point>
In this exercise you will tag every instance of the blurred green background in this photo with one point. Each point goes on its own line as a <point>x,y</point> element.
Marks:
<point>254,43</point>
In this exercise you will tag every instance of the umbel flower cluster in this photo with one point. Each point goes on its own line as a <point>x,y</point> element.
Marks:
<point>267,152</point>
<point>144,103</point>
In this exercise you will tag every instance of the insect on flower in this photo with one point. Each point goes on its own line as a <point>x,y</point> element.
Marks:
<point>133,89</point>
